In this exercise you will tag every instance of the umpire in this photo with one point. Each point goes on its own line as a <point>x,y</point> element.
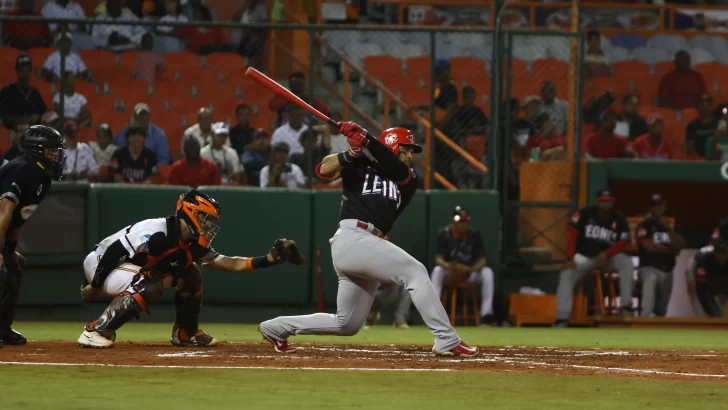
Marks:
<point>596,239</point>
<point>24,182</point>
<point>658,248</point>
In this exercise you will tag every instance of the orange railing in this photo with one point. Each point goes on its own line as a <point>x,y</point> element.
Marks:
<point>662,17</point>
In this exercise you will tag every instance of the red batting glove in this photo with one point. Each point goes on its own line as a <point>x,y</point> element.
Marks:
<point>355,134</point>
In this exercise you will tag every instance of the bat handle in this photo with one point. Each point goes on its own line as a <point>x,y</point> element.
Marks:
<point>332,122</point>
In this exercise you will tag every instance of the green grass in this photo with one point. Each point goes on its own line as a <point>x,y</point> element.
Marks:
<point>679,339</point>
<point>59,388</point>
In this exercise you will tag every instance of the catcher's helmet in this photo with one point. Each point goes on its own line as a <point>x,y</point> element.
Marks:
<point>39,138</point>
<point>200,212</point>
<point>460,214</point>
<point>393,138</point>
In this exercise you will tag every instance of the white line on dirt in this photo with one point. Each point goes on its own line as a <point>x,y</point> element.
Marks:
<point>353,369</point>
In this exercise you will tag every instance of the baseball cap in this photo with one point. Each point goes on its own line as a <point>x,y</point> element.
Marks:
<point>657,199</point>
<point>460,214</point>
<point>140,108</point>
<point>70,127</point>
<point>23,60</point>
<point>441,64</point>
<point>531,98</point>
<point>281,147</point>
<point>220,128</point>
<point>261,133</point>
<point>61,36</point>
<point>654,117</point>
<point>605,195</point>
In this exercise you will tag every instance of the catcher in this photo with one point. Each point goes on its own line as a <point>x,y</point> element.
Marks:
<point>138,262</point>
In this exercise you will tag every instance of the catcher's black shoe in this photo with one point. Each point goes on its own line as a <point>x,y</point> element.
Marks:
<point>12,338</point>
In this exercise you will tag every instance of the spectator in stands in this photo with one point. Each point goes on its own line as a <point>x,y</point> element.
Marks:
<point>193,169</point>
<point>630,123</point>
<point>80,163</point>
<point>148,61</point>
<point>173,13</point>
<point>16,149</point>
<point>204,40</point>
<point>595,108</point>
<point>339,141</point>
<point>117,37</point>
<point>654,144</point>
<point>291,131</point>
<point>196,7</point>
<point>699,130</point>
<point>297,85</point>
<point>51,119</point>
<point>548,146</point>
<point>25,35</point>
<point>219,152</point>
<point>75,105</point>
<point>20,102</point>
<point>279,172</point>
<point>557,110</point>
<point>681,87</point>
<point>156,139</point>
<point>315,148</point>
<point>533,109</point>
<point>469,119</point>
<point>51,70</point>
<point>605,143</point>
<point>716,147</point>
<point>250,42</point>
<point>596,62</point>
<point>256,155</point>
<point>242,133</point>
<point>134,162</point>
<point>202,131</point>
<point>446,93</point>
<point>63,9</point>
<point>102,148</point>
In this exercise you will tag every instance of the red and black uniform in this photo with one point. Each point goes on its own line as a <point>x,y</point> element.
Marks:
<point>652,229</point>
<point>711,281</point>
<point>590,233</point>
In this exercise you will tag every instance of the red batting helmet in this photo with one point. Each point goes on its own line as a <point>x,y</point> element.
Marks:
<point>394,137</point>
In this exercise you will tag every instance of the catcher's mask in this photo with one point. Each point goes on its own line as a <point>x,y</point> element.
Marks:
<point>201,213</point>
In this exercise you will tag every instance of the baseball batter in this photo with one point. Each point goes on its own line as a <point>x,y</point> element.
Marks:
<point>375,194</point>
<point>597,236</point>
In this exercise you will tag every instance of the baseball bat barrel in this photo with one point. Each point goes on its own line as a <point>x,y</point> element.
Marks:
<point>270,84</point>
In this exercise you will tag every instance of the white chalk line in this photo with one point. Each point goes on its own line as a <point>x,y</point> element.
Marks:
<point>149,366</point>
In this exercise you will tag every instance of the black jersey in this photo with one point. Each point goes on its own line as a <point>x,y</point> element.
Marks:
<point>598,234</point>
<point>370,196</point>
<point>134,170</point>
<point>466,250</point>
<point>707,269</point>
<point>25,182</point>
<point>653,229</point>
<point>721,231</point>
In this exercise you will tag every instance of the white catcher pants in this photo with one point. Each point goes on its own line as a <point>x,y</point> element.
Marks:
<point>362,261</point>
<point>119,279</point>
<point>484,276</point>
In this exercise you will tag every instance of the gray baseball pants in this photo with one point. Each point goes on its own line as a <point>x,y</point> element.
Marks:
<point>362,261</point>
<point>656,290</point>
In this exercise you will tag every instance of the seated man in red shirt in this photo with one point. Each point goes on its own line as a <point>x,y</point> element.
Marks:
<point>653,145</point>
<point>551,146</point>
<point>192,169</point>
<point>23,34</point>
<point>605,143</point>
<point>681,87</point>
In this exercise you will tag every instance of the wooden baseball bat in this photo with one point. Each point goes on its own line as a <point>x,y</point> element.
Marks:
<point>268,83</point>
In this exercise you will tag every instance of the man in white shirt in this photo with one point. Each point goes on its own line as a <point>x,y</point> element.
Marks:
<point>203,129</point>
<point>225,157</point>
<point>62,9</point>
<point>80,164</point>
<point>279,172</point>
<point>51,70</point>
<point>117,37</point>
<point>557,110</point>
<point>291,132</point>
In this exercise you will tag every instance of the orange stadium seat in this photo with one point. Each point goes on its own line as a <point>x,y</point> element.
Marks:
<point>86,88</point>
<point>631,69</point>
<point>475,145</point>
<point>522,89</point>
<point>9,54</point>
<point>128,60</point>
<point>380,67</point>
<point>210,91</point>
<point>116,120</point>
<point>86,135</point>
<point>549,69</point>
<point>111,73</point>
<point>519,68</point>
<point>186,106</point>
<point>462,67</point>
<point>130,91</point>
<point>265,119</point>
<point>195,75</point>
<point>38,54</point>
<point>414,96</point>
<point>225,107</point>
<point>419,67</point>
<point>224,62</point>
<point>480,82</point>
<point>156,104</point>
<point>662,68</point>
<point>99,102</point>
<point>688,115</point>
<point>714,74</point>
<point>95,59</point>
<point>647,89</point>
<point>164,171</point>
<point>171,90</point>
<point>182,59</point>
<point>618,85</point>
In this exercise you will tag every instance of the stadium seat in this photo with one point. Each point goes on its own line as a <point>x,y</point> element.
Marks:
<point>97,58</point>
<point>38,55</point>
<point>382,66</point>
<point>419,67</point>
<point>628,41</point>
<point>224,108</point>
<point>224,62</point>
<point>164,171</point>
<point>187,106</point>
<point>631,69</point>
<point>85,88</point>
<point>481,83</point>
<point>209,91</point>
<point>8,56</point>
<point>701,56</point>
<point>617,54</point>
<point>662,68</point>
<point>86,135</point>
<point>99,102</point>
<point>651,56</point>
<point>116,120</point>
<point>171,90</point>
<point>646,88</point>
<point>620,86</point>
<point>475,145</point>
<point>357,52</point>
<point>688,115</point>
<point>156,104</point>
<point>519,68</point>
<point>182,59</point>
<point>462,67</point>
<point>549,69</point>
<point>111,73</point>
<point>404,51</point>
<point>670,42</point>
<point>130,91</point>
<point>715,74</point>
<point>194,75</point>
<point>128,60</point>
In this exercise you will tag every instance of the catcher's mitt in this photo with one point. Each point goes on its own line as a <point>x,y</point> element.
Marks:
<point>285,250</point>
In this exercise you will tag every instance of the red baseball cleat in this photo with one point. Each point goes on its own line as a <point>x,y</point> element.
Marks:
<point>278,346</point>
<point>461,350</point>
